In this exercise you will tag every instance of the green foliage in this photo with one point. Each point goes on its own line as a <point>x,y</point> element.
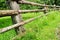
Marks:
<point>58,2</point>
<point>3,4</point>
<point>40,29</point>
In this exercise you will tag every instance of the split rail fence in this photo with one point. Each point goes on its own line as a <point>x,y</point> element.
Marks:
<point>15,14</point>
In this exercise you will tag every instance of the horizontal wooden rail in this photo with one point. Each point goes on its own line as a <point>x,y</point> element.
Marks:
<point>37,4</point>
<point>21,23</point>
<point>15,12</point>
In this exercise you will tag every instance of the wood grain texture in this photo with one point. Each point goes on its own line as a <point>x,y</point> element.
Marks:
<point>16,18</point>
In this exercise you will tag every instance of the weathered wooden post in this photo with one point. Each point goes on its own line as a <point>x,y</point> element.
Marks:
<point>15,18</point>
<point>45,9</point>
<point>54,7</point>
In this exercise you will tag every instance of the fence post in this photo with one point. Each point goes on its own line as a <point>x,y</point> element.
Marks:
<point>16,18</point>
<point>45,9</point>
<point>54,7</point>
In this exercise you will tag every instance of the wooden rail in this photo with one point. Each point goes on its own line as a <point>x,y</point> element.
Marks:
<point>21,23</point>
<point>15,12</point>
<point>37,4</point>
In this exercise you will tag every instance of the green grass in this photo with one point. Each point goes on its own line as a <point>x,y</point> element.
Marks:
<point>40,29</point>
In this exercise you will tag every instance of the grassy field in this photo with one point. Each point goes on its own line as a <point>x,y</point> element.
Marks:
<point>40,29</point>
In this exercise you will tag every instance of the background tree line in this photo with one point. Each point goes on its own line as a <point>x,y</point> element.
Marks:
<point>3,4</point>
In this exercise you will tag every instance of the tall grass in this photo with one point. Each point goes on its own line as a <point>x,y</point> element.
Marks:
<point>40,29</point>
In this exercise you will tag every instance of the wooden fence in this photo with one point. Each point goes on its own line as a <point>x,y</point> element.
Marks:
<point>15,14</point>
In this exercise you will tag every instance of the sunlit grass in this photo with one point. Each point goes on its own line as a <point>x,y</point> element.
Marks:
<point>40,29</point>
